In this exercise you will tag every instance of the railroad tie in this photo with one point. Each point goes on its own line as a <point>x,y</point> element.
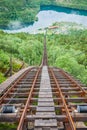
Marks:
<point>45,104</point>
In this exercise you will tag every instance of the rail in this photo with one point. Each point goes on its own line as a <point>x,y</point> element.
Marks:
<point>72,125</point>
<point>21,122</point>
<point>45,97</point>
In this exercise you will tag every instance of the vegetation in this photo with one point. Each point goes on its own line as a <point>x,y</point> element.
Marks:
<point>82,4</point>
<point>20,12</point>
<point>67,51</point>
<point>7,126</point>
<point>23,48</point>
<point>2,78</point>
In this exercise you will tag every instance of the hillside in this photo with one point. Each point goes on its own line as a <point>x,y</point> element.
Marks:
<point>67,51</point>
<point>80,4</point>
<point>23,50</point>
<point>24,11</point>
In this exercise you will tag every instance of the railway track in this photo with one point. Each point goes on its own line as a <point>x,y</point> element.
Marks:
<point>44,98</point>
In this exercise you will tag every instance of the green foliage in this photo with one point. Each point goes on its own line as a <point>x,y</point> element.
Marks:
<point>16,65</point>
<point>22,47</point>
<point>69,52</point>
<point>85,123</point>
<point>82,4</point>
<point>4,61</point>
<point>65,51</point>
<point>2,78</point>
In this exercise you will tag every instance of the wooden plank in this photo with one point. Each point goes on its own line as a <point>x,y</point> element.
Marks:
<point>69,89</point>
<point>59,118</point>
<point>80,99</point>
<point>4,86</point>
<point>45,114</point>
<point>46,123</point>
<point>21,90</point>
<point>15,100</point>
<point>47,128</point>
<point>45,95</point>
<point>45,100</point>
<point>46,104</point>
<point>37,128</point>
<point>81,128</point>
<point>45,90</point>
<point>43,109</point>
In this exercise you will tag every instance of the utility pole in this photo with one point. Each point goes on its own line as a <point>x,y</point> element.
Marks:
<point>11,67</point>
<point>11,64</point>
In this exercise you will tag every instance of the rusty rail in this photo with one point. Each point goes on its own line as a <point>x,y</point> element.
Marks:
<point>44,58</point>
<point>11,87</point>
<point>83,92</point>
<point>21,122</point>
<point>64,103</point>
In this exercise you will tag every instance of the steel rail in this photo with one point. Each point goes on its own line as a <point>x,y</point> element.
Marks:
<point>73,81</point>
<point>15,83</point>
<point>44,58</point>
<point>21,122</point>
<point>70,119</point>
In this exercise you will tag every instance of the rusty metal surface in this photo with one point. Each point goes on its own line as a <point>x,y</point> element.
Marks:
<point>83,92</point>
<point>72,126</point>
<point>44,58</point>
<point>21,122</point>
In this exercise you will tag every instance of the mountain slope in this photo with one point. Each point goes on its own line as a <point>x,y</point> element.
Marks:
<point>67,51</point>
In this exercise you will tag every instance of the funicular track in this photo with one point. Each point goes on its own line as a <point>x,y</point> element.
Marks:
<point>44,98</point>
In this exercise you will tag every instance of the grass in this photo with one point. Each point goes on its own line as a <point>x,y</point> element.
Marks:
<point>36,96</point>
<point>35,103</point>
<point>57,112</point>
<point>2,78</point>
<point>8,126</point>
<point>85,123</point>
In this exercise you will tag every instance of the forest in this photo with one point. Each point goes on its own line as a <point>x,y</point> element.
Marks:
<point>67,51</point>
<point>24,48</point>
<point>24,11</point>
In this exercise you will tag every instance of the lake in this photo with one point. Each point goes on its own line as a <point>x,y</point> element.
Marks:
<point>51,14</point>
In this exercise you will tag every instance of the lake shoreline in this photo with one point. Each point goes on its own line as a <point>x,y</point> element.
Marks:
<point>50,14</point>
<point>48,7</point>
<point>43,7</point>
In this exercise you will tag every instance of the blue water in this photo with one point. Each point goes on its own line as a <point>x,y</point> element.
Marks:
<point>51,14</point>
<point>66,10</point>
